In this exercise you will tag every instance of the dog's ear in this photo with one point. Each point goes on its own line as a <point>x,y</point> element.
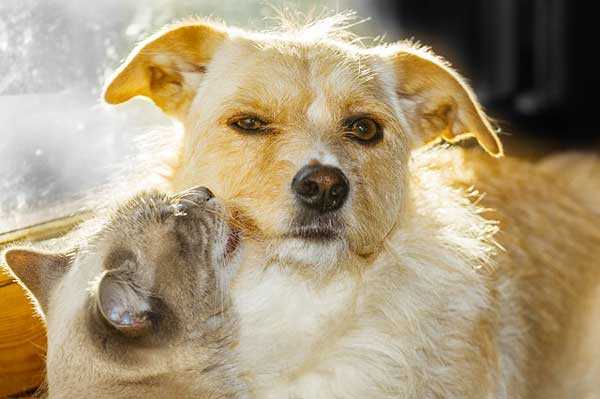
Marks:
<point>38,271</point>
<point>166,67</point>
<point>446,106</point>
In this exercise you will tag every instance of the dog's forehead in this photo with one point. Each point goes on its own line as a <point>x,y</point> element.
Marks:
<point>318,80</point>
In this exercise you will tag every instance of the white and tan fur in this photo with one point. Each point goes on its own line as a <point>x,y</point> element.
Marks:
<point>457,275</point>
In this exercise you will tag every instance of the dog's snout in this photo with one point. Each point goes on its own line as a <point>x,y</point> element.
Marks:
<point>321,187</point>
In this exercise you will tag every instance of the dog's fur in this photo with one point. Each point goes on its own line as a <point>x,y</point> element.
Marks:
<point>141,310</point>
<point>417,297</point>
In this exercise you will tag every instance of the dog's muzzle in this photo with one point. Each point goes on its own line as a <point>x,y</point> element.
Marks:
<point>321,188</point>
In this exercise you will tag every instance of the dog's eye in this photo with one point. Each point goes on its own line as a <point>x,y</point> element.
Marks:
<point>249,124</point>
<point>364,130</point>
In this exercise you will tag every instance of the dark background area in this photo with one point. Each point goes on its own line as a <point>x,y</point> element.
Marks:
<point>532,62</point>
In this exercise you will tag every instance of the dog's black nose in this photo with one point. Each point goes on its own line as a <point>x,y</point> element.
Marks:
<point>320,187</point>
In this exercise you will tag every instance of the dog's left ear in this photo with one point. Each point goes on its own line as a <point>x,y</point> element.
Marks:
<point>446,106</point>
<point>165,68</point>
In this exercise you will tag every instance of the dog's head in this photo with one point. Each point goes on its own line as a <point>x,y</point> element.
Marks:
<point>306,132</point>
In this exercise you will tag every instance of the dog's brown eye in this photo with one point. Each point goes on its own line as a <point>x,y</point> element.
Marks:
<point>249,124</point>
<point>365,130</point>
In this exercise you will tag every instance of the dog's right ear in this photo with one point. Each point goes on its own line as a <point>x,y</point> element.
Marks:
<point>165,67</point>
<point>38,271</point>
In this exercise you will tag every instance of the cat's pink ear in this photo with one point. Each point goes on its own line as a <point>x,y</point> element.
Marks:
<point>124,305</point>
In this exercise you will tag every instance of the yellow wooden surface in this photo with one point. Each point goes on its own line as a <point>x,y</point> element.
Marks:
<point>22,332</point>
<point>22,340</point>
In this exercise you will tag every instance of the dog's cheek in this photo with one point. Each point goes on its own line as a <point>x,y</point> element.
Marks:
<point>377,203</point>
<point>369,223</point>
<point>260,190</point>
<point>258,183</point>
<point>266,196</point>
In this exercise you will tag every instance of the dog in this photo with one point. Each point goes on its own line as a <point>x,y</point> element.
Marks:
<point>374,263</point>
<point>141,310</point>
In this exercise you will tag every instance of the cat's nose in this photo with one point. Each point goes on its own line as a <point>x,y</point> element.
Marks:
<point>195,196</point>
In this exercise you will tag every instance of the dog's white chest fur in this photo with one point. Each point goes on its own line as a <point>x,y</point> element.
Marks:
<point>369,336</point>
<point>286,321</point>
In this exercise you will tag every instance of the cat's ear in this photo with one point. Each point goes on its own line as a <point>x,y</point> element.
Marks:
<point>38,271</point>
<point>123,304</point>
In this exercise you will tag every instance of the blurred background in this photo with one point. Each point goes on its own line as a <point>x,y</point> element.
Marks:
<point>530,61</point>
